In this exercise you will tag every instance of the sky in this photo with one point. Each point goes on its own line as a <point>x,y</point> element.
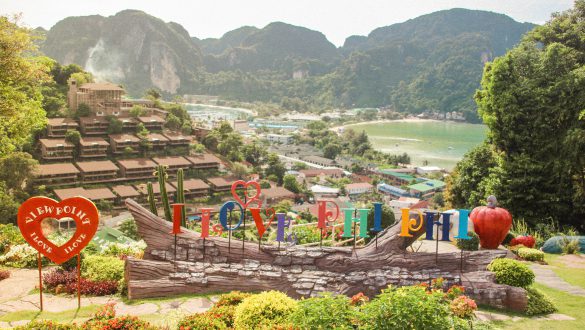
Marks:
<point>337,19</point>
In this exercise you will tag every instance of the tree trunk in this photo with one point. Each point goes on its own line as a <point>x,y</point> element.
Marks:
<point>300,271</point>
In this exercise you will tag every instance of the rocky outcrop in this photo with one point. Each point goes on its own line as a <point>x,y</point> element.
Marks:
<point>215,265</point>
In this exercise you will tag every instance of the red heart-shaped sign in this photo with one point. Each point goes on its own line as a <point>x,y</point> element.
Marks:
<point>32,212</point>
<point>249,198</point>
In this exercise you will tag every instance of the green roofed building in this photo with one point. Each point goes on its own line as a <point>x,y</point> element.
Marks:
<point>396,178</point>
<point>426,189</point>
<point>108,235</point>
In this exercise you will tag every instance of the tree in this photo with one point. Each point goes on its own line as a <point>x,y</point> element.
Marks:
<point>331,150</point>
<point>83,110</point>
<point>116,125</point>
<point>230,146</point>
<point>153,94</point>
<point>137,111</point>
<point>197,148</point>
<point>18,169</point>
<point>8,206</point>
<point>186,129</point>
<point>297,166</point>
<point>275,167</point>
<point>387,217</point>
<point>531,99</point>
<point>172,122</point>
<point>290,182</point>
<point>73,136</point>
<point>82,77</point>
<point>254,153</point>
<point>240,171</point>
<point>21,75</point>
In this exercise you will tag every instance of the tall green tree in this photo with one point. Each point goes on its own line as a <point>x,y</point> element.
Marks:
<point>275,167</point>
<point>22,72</point>
<point>531,100</point>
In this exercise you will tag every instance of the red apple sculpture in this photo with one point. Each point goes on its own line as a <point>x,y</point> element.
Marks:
<point>491,223</point>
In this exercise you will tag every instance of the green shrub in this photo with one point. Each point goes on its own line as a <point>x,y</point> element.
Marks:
<point>233,298</point>
<point>102,268</point>
<point>531,254</point>
<point>46,325</point>
<point>569,243</point>
<point>225,308</point>
<point>410,307</point>
<point>129,229</point>
<point>22,256</point>
<point>9,235</point>
<point>538,303</point>
<point>202,321</point>
<point>264,311</point>
<point>468,244</point>
<point>511,272</point>
<point>324,312</point>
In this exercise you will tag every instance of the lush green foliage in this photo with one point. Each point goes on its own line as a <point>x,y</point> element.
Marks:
<point>531,254</point>
<point>324,312</point>
<point>102,268</point>
<point>46,325</point>
<point>538,303</point>
<point>406,308</point>
<point>9,235</point>
<point>511,272</point>
<point>129,228</point>
<point>208,321</point>
<point>264,310</point>
<point>468,244</point>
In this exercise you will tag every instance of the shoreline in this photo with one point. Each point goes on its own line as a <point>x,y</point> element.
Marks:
<point>248,111</point>
<point>384,121</point>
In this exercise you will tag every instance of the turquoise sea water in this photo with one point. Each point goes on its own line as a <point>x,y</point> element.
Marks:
<point>440,143</point>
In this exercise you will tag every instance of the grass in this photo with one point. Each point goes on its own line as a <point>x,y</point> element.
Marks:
<point>574,276</point>
<point>64,317</point>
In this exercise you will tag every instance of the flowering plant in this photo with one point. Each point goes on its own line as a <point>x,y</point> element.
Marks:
<point>454,292</point>
<point>359,299</point>
<point>463,307</point>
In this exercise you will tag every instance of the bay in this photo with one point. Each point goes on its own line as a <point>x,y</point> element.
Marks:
<point>440,143</point>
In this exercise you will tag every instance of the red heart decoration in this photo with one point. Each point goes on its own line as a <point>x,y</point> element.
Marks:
<point>33,211</point>
<point>249,198</point>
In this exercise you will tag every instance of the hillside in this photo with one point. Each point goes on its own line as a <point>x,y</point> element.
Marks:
<point>150,52</point>
<point>430,63</point>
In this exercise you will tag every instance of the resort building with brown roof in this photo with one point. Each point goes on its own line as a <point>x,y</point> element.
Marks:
<point>173,163</point>
<point>157,141</point>
<point>56,149</point>
<point>94,125</point>
<point>204,161</point>
<point>94,194</point>
<point>98,171</point>
<point>178,139</point>
<point>122,192</point>
<point>119,143</point>
<point>138,168</point>
<point>128,124</point>
<point>62,173</point>
<point>152,123</point>
<point>276,194</point>
<point>194,188</point>
<point>93,147</point>
<point>219,184</point>
<point>57,127</point>
<point>104,99</point>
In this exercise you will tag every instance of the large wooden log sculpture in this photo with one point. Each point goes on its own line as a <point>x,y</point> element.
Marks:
<point>300,271</point>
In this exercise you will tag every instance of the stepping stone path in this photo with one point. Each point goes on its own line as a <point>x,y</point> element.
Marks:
<point>545,275</point>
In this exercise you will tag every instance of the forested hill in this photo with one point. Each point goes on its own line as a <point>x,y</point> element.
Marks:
<point>131,47</point>
<point>430,63</point>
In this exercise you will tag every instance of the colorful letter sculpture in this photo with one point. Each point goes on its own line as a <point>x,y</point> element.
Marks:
<point>33,211</point>
<point>491,223</point>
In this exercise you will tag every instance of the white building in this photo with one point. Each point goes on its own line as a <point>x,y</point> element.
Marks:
<point>358,188</point>
<point>423,170</point>
<point>323,191</point>
<point>279,138</point>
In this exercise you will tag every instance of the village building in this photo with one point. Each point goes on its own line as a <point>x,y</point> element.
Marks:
<point>424,170</point>
<point>318,160</point>
<point>93,147</point>
<point>219,184</point>
<point>123,191</point>
<point>119,143</point>
<point>157,141</point>
<point>173,163</point>
<point>280,138</point>
<point>57,127</point>
<point>397,178</point>
<point>98,171</point>
<point>276,194</point>
<point>128,124</point>
<point>194,188</point>
<point>56,149</point>
<point>205,161</point>
<point>401,203</point>
<point>152,123</point>
<point>178,139</point>
<point>200,132</point>
<point>138,168</point>
<point>94,125</point>
<point>392,191</point>
<point>55,174</point>
<point>240,125</point>
<point>321,192</point>
<point>426,189</point>
<point>94,194</point>
<point>320,175</point>
<point>103,99</point>
<point>358,188</point>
